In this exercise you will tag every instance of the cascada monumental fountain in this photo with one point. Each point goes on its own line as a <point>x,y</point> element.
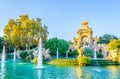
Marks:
<point>85,39</point>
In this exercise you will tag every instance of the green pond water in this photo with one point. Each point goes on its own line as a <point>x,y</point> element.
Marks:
<point>19,70</point>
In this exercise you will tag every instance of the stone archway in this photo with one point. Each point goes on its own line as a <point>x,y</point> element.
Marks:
<point>100,50</point>
<point>85,40</point>
<point>84,34</point>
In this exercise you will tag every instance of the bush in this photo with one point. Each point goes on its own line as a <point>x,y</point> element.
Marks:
<point>88,52</point>
<point>63,62</point>
<point>23,54</point>
<point>115,58</point>
<point>55,43</point>
<point>80,61</point>
<point>73,53</point>
<point>99,55</point>
<point>119,59</point>
<point>2,40</point>
<point>84,60</point>
<point>118,53</point>
<point>9,56</point>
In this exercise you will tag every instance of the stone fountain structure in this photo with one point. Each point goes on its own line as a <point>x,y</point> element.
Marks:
<point>85,39</point>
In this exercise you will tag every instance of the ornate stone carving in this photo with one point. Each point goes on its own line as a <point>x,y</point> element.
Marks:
<point>84,36</point>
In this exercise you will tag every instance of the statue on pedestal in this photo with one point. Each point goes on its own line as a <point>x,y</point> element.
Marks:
<point>80,51</point>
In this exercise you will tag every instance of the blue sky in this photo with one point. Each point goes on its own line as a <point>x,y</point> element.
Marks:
<point>64,17</point>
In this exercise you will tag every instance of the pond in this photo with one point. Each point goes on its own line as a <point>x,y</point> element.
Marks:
<point>19,70</point>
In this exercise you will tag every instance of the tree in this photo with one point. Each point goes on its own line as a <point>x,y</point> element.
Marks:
<point>114,50</point>
<point>88,52</point>
<point>44,33</point>
<point>106,38</point>
<point>55,43</point>
<point>1,43</point>
<point>25,32</point>
<point>113,44</point>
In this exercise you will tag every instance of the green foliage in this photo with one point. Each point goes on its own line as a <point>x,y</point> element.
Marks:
<point>9,56</point>
<point>103,62</point>
<point>106,38</point>
<point>24,32</point>
<point>118,53</point>
<point>73,53</point>
<point>115,58</point>
<point>63,62</point>
<point>81,61</point>
<point>114,44</point>
<point>23,54</point>
<point>88,52</point>
<point>84,60</point>
<point>1,43</point>
<point>26,55</point>
<point>99,55</point>
<point>10,49</point>
<point>4,42</point>
<point>55,43</point>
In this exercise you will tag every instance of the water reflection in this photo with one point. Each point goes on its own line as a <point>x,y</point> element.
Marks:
<point>78,71</point>
<point>113,72</point>
<point>2,70</point>
<point>39,72</point>
<point>26,71</point>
